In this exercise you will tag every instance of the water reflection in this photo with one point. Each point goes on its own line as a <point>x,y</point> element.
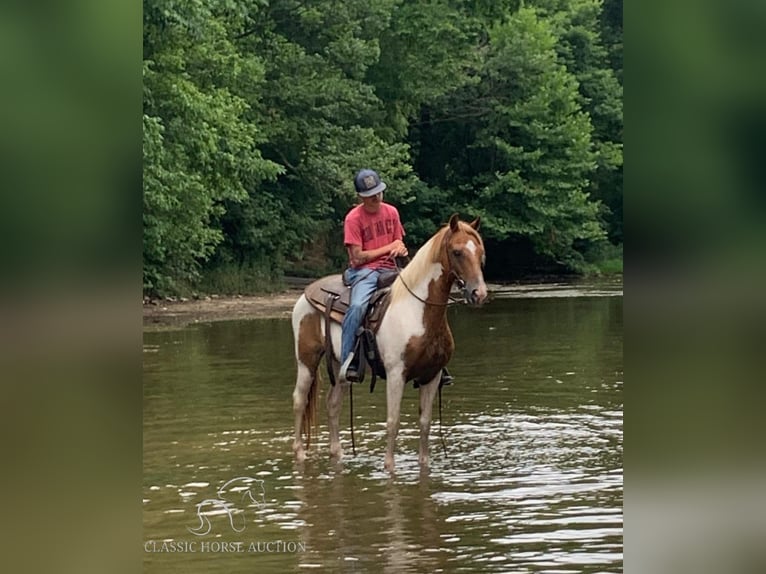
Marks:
<point>359,523</point>
<point>532,480</point>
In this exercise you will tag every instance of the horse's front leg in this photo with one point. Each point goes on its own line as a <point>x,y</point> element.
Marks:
<point>394,391</point>
<point>427,394</point>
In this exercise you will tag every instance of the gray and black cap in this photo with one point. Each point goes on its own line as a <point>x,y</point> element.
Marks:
<point>367,183</point>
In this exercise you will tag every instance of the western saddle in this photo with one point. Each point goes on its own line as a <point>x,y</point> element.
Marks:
<point>332,296</point>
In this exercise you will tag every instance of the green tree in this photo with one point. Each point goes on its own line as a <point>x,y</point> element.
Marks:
<point>257,114</point>
<point>322,123</point>
<point>611,34</point>
<point>578,26</point>
<point>200,150</point>
<point>516,147</point>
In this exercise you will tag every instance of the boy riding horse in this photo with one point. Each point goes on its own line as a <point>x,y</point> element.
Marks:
<point>373,236</point>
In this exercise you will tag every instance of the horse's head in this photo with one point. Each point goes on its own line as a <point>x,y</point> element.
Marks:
<point>465,257</point>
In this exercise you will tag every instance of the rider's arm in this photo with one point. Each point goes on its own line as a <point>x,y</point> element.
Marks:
<point>359,257</point>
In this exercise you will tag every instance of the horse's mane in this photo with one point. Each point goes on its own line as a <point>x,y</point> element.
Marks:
<point>423,260</point>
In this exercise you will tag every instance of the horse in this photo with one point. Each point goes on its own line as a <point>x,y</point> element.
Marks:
<point>414,339</point>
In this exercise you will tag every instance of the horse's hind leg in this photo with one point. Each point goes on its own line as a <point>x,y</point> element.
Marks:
<point>305,380</point>
<point>308,352</point>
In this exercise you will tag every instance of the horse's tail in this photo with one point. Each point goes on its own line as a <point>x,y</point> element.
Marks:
<point>309,422</point>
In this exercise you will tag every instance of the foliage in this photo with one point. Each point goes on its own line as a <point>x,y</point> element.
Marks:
<point>516,146</point>
<point>257,114</point>
<point>200,146</point>
<point>584,52</point>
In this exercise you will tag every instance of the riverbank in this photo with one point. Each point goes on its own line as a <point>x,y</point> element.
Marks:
<point>171,313</point>
<point>176,313</point>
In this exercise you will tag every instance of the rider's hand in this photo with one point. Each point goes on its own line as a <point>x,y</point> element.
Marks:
<point>398,249</point>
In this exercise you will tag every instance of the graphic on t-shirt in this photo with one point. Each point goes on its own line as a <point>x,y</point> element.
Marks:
<point>382,229</point>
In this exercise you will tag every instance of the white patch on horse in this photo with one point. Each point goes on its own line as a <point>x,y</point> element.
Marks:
<point>471,246</point>
<point>404,320</point>
<point>300,310</point>
<point>303,382</point>
<point>335,332</point>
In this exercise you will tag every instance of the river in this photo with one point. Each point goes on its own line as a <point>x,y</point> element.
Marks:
<point>531,480</point>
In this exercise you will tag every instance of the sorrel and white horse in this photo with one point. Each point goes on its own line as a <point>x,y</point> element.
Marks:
<point>414,339</point>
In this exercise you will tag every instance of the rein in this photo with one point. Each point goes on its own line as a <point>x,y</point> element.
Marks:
<point>351,410</point>
<point>450,298</point>
<point>441,423</point>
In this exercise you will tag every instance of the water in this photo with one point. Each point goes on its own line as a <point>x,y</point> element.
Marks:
<point>531,482</point>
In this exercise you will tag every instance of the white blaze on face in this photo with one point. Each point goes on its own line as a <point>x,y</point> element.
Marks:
<point>404,320</point>
<point>471,246</point>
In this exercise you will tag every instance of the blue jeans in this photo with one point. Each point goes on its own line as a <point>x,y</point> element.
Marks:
<point>364,282</point>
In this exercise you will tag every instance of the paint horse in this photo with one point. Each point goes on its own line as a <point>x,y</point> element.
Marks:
<point>413,339</point>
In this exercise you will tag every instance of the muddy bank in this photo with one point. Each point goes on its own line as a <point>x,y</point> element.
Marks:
<point>163,314</point>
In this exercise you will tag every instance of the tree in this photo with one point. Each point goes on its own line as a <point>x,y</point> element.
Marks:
<point>579,26</point>
<point>322,123</point>
<point>257,114</point>
<point>199,149</point>
<point>516,147</point>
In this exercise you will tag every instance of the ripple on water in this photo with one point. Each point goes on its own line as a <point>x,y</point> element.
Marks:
<point>531,482</point>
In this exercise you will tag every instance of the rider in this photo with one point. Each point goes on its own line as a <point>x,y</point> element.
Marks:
<point>372,234</point>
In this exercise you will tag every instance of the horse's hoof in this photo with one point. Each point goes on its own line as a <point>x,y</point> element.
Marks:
<point>300,456</point>
<point>336,453</point>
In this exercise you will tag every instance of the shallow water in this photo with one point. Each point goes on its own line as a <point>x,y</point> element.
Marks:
<point>531,480</point>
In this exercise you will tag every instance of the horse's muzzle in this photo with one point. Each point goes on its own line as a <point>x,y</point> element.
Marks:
<point>475,294</point>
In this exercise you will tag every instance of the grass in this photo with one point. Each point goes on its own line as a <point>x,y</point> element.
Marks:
<point>611,261</point>
<point>236,280</point>
<point>610,266</point>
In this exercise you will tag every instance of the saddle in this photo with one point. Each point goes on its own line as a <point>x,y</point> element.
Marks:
<point>332,296</point>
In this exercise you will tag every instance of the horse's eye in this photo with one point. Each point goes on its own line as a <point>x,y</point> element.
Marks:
<point>457,253</point>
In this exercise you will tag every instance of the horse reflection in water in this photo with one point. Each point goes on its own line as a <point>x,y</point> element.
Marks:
<point>414,338</point>
<point>392,528</point>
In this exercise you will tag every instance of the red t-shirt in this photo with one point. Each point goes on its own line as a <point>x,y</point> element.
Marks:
<point>373,230</point>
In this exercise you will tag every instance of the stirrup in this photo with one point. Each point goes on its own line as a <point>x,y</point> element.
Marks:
<point>348,372</point>
<point>446,379</point>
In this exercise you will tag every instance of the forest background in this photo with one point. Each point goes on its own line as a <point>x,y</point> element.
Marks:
<point>257,114</point>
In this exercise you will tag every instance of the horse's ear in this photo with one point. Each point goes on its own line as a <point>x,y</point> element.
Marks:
<point>453,222</point>
<point>476,223</point>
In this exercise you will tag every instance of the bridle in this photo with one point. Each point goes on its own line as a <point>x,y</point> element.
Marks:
<point>450,299</point>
